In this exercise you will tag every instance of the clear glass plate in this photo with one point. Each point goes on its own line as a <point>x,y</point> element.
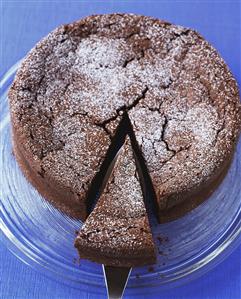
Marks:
<point>43,237</point>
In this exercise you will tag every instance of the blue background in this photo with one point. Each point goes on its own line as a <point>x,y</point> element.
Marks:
<point>23,23</point>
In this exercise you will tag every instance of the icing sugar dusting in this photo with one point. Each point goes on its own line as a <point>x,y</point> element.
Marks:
<point>203,123</point>
<point>102,51</point>
<point>101,62</point>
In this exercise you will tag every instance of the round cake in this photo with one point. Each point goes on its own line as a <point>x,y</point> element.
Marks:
<point>71,90</point>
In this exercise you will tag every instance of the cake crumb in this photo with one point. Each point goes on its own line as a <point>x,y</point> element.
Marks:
<point>162,239</point>
<point>151,269</point>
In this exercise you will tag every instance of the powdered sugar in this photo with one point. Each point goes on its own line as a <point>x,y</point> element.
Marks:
<point>101,52</point>
<point>101,62</point>
<point>203,122</point>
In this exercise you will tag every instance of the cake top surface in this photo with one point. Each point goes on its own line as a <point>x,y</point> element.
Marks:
<point>119,219</point>
<point>182,99</point>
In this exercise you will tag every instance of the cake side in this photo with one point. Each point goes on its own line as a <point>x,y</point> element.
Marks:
<point>117,232</point>
<point>67,201</point>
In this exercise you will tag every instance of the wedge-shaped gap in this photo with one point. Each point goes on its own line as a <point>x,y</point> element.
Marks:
<point>99,180</point>
<point>145,178</point>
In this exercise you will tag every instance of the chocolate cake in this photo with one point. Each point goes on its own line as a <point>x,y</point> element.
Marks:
<point>117,232</point>
<point>70,91</point>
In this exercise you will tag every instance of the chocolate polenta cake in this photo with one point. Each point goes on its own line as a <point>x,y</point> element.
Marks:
<point>117,232</point>
<point>72,87</point>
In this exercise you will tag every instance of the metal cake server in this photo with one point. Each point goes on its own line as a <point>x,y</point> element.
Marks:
<point>116,279</point>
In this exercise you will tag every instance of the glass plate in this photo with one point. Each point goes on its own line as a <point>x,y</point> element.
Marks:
<point>42,237</point>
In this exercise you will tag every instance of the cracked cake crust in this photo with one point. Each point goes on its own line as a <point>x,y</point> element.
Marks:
<point>72,88</point>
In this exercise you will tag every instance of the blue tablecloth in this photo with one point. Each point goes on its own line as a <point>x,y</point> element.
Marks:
<point>23,23</point>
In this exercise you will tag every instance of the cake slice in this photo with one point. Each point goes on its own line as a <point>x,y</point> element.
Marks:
<point>117,232</point>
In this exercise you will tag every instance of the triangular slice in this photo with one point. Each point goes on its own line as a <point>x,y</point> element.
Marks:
<point>117,232</point>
